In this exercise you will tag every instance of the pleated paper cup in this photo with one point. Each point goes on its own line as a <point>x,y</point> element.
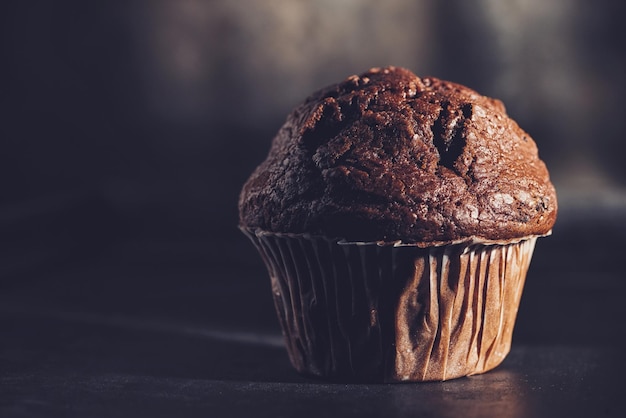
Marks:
<point>391,312</point>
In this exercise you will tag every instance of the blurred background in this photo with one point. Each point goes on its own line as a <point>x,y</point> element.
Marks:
<point>129,127</point>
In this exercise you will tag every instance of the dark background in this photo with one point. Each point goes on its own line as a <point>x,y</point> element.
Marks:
<point>144,118</point>
<point>127,129</point>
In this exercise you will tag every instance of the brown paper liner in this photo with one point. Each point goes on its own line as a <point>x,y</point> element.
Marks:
<point>388,313</point>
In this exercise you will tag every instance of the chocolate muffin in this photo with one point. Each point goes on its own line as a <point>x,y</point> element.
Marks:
<point>397,216</point>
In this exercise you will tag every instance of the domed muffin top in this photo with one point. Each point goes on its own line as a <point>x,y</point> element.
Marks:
<point>388,156</point>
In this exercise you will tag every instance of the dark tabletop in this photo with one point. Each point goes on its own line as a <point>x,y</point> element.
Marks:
<point>142,329</point>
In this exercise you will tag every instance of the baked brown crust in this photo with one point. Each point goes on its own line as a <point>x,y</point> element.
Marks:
<point>389,156</point>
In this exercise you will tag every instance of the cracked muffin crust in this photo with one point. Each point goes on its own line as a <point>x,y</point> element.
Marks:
<point>388,156</point>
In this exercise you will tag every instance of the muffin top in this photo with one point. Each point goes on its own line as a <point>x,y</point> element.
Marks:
<point>389,156</point>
